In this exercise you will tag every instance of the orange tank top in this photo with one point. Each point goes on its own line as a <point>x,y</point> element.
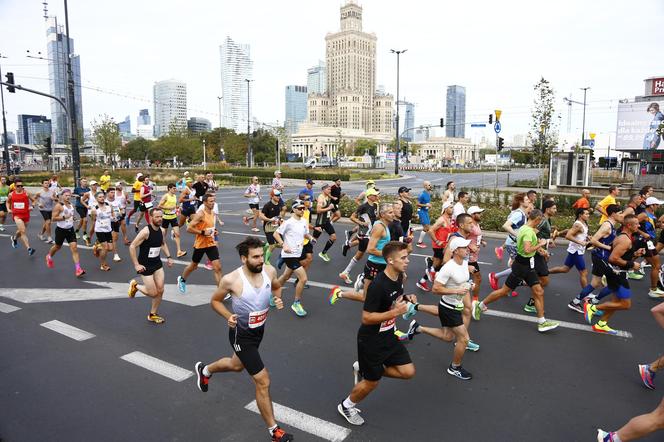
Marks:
<point>205,241</point>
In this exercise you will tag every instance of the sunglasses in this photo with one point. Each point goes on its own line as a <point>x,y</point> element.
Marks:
<point>299,208</point>
<point>18,185</point>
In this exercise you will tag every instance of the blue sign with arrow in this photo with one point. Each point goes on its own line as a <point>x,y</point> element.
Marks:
<point>497,127</point>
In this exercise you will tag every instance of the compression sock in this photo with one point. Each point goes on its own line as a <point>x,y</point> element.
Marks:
<point>585,292</point>
<point>350,266</point>
<point>604,293</point>
<point>505,272</point>
<point>422,235</point>
<point>328,245</point>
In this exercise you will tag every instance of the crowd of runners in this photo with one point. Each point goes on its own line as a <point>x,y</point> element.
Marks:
<point>99,213</point>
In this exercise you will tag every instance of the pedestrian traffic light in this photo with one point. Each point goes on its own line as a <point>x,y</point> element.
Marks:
<point>47,145</point>
<point>501,140</point>
<point>442,122</point>
<point>490,118</point>
<point>10,80</point>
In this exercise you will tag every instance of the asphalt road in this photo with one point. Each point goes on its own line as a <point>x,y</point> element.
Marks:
<point>527,386</point>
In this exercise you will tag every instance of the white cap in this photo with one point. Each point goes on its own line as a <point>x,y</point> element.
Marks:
<point>474,209</point>
<point>446,204</point>
<point>138,175</point>
<point>277,172</point>
<point>186,173</point>
<point>457,242</point>
<point>93,182</point>
<point>652,200</point>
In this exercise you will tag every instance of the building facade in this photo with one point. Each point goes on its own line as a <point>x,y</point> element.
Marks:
<point>170,106</point>
<point>57,77</point>
<point>455,121</point>
<point>317,78</point>
<point>124,127</point>
<point>143,118</point>
<point>236,69</point>
<point>33,129</point>
<point>296,107</point>
<point>448,151</point>
<point>199,125</point>
<point>407,120</point>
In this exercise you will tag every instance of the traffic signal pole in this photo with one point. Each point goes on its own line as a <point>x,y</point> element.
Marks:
<point>5,142</point>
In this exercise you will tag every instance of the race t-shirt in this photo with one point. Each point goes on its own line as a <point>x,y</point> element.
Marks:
<point>606,202</point>
<point>292,232</point>
<point>525,233</point>
<point>367,213</point>
<point>381,297</point>
<point>424,198</point>
<point>453,276</point>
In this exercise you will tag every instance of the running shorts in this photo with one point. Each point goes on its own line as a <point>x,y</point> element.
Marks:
<point>522,270</point>
<point>166,223</point>
<point>307,249</point>
<point>438,253</point>
<point>187,211</point>
<point>575,260</point>
<point>643,244</point>
<point>115,226</point>
<point>371,269</point>
<point>62,235</point>
<point>270,238</point>
<point>151,269</point>
<point>245,345</point>
<point>3,207</point>
<point>212,253</point>
<point>541,266</point>
<point>600,267</point>
<point>362,244</point>
<point>103,237</point>
<point>24,218</point>
<point>82,211</point>
<point>424,217</point>
<point>327,227</point>
<point>253,206</point>
<point>449,317</point>
<point>374,353</point>
<point>46,214</point>
<point>619,284</point>
<point>475,264</point>
<point>293,263</point>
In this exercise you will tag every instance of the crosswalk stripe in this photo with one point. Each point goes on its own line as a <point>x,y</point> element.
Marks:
<point>7,308</point>
<point>158,366</point>
<point>68,330</point>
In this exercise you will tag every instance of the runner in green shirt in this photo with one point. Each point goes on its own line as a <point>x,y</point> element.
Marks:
<point>4,194</point>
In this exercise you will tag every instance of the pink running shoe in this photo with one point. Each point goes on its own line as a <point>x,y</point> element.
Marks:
<point>493,281</point>
<point>499,253</point>
<point>514,294</point>
<point>49,262</point>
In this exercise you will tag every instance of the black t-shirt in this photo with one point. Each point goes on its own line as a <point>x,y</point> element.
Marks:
<point>201,188</point>
<point>396,230</point>
<point>381,296</point>
<point>335,192</point>
<point>364,211</point>
<point>272,210</point>
<point>406,211</point>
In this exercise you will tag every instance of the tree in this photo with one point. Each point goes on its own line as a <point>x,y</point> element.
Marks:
<point>136,149</point>
<point>106,136</point>
<point>543,133</point>
<point>366,147</point>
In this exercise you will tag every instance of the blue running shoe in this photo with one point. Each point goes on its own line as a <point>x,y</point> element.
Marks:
<point>410,313</point>
<point>472,346</point>
<point>182,285</point>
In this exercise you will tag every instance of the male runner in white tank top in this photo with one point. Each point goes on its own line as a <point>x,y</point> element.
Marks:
<point>251,287</point>
<point>63,216</point>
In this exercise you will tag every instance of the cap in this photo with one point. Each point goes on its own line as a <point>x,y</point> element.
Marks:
<point>652,200</point>
<point>277,172</point>
<point>188,180</point>
<point>186,174</point>
<point>138,175</point>
<point>310,181</point>
<point>372,192</point>
<point>276,192</point>
<point>457,242</point>
<point>447,204</point>
<point>93,182</point>
<point>325,186</point>
<point>370,182</point>
<point>474,209</point>
<point>403,189</point>
<point>298,204</point>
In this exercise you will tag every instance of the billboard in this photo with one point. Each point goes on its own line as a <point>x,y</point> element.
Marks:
<point>640,126</point>
<point>658,86</point>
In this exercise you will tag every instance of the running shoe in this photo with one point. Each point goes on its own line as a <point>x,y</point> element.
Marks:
<point>297,308</point>
<point>603,327</point>
<point>133,288</point>
<point>2,228</point>
<point>547,326</point>
<point>116,258</point>
<point>357,377</point>
<point>346,278</point>
<point>413,329</point>
<point>86,239</point>
<point>344,249</point>
<point>577,307</point>
<point>208,265</point>
<point>334,295</point>
<point>476,310</point>
<point>181,253</point>
<point>459,372</point>
<point>41,237</point>
<point>324,257</point>
<point>588,311</point>
<point>14,241</point>
<point>31,251</point>
<point>255,229</point>
<point>493,281</point>
<point>472,346</point>
<point>423,285</point>
<point>514,294</point>
<point>359,283</point>
<point>280,262</point>
<point>428,262</point>
<point>401,336</point>
<point>605,436</point>
<point>182,285</point>
<point>421,245</point>
<point>349,235</point>
<point>279,435</point>
<point>352,414</point>
<point>49,240</point>
<point>153,317</point>
<point>49,262</point>
<point>635,276</point>
<point>245,220</point>
<point>529,308</point>
<point>656,293</point>
<point>647,376</point>
<point>431,275</point>
<point>79,272</point>
<point>499,253</point>
<point>202,380</point>
<point>411,311</point>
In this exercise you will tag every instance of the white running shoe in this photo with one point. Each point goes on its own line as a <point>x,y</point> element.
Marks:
<point>117,258</point>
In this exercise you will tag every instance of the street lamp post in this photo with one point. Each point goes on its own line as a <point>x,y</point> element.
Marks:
<point>250,156</point>
<point>5,142</point>
<point>583,125</point>
<point>204,156</point>
<point>219,99</point>
<point>398,146</point>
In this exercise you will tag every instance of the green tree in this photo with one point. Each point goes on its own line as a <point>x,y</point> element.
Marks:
<point>106,136</point>
<point>178,143</point>
<point>543,132</point>
<point>522,156</point>
<point>136,149</point>
<point>362,147</point>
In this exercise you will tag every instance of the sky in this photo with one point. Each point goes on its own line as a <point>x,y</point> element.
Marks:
<point>498,50</point>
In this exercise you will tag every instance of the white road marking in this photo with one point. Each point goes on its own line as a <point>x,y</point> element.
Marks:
<point>68,330</point>
<point>310,424</point>
<point>6,308</point>
<point>564,324</point>
<point>158,366</point>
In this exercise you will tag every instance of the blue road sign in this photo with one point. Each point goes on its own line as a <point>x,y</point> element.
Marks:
<point>477,125</point>
<point>591,143</point>
<point>497,127</point>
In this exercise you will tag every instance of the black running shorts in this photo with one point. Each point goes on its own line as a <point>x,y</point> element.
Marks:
<point>293,263</point>
<point>150,269</point>
<point>46,214</point>
<point>270,238</point>
<point>307,249</point>
<point>522,271</point>
<point>327,228</point>
<point>62,235</point>
<point>362,245</point>
<point>371,269</point>
<point>166,223</point>
<point>600,267</point>
<point>438,253</point>
<point>103,237</point>
<point>541,266</point>
<point>245,345</point>
<point>374,353</point>
<point>449,317</point>
<point>212,253</point>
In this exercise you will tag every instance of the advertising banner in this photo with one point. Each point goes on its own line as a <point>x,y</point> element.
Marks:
<point>640,126</point>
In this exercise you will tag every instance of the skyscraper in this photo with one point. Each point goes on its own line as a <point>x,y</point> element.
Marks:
<point>409,120</point>
<point>199,125</point>
<point>296,107</point>
<point>124,127</point>
<point>455,121</point>
<point>143,118</point>
<point>170,106</point>
<point>236,68</point>
<point>317,79</point>
<point>57,75</point>
<point>33,129</point>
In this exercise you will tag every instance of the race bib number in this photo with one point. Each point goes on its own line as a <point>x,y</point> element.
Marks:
<point>387,325</point>
<point>532,262</point>
<point>3,199</point>
<point>650,245</point>
<point>154,252</point>
<point>257,319</point>
<point>19,206</point>
<point>148,205</point>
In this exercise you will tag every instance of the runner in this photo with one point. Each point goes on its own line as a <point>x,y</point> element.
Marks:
<point>637,427</point>
<point>63,215</point>
<point>601,240</point>
<point>459,207</point>
<point>116,216</point>
<point>584,201</point>
<point>307,256</point>
<point>452,285</point>
<point>364,217</point>
<point>45,199</point>
<point>290,236</point>
<point>105,181</point>
<point>614,191</point>
<point>360,199</point>
<point>620,261</point>
<point>544,231</point>
<point>121,196</point>
<point>276,182</point>
<point>146,201</point>
<point>18,203</point>
<point>324,208</point>
<point>168,206</point>
<point>4,193</point>
<point>648,225</point>
<point>211,183</point>
<point>577,236</point>
<point>136,192</point>
<point>440,232</point>
<point>202,225</point>
<point>475,237</point>
<point>271,215</point>
<point>187,202</point>
<point>251,287</point>
<point>253,193</point>
<point>448,195</point>
<point>423,206</point>
<point>648,371</point>
<point>150,242</point>
<point>523,270</point>
<point>90,200</point>
<point>379,351</point>
<point>309,189</point>
<point>336,194</point>
<point>201,189</point>
<point>82,208</point>
<point>101,215</point>
<point>406,209</point>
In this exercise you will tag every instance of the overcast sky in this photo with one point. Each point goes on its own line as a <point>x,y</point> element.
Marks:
<point>497,49</point>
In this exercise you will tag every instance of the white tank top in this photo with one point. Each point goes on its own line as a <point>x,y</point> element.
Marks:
<point>68,221</point>
<point>252,306</point>
<point>581,236</point>
<point>115,209</point>
<point>92,201</point>
<point>122,199</point>
<point>103,219</point>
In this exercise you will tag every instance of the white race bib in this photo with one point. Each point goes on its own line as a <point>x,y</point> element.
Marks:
<point>650,245</point>
<point>148,205</point>
<point>532,262</point>
<point>257,319</point>
<point>20,205</point>
<point>154,252</point>
<point>387,325</point>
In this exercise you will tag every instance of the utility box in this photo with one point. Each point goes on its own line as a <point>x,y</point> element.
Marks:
<point>569,169</point>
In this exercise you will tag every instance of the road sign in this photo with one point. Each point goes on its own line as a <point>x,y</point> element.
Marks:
<point>591,143</point>
<point>477,125</point>
<point>497,127</point>
<point>498,112</point>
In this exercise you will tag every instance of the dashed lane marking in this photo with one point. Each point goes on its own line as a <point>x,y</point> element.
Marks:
<point>7,308</point>
<point>158,366</point>
<point>68,330</point>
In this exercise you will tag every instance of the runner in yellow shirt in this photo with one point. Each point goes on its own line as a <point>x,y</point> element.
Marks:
<point>168,204</point>
<point>105,181</point>
<point>614,191</point>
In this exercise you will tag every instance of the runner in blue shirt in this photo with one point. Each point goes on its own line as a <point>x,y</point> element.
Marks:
<point>423,206</point>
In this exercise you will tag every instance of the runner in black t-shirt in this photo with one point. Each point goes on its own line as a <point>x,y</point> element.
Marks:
<point>324,210</point>
<point>336,194</point>
<point>379,351</point>
<point>364,217</point>
<point>271,215</point>
<point>406,209</point>
<point>201,188</point>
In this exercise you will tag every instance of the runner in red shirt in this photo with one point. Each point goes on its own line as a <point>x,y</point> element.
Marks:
<point>439,232</point>
<point>18,204</point>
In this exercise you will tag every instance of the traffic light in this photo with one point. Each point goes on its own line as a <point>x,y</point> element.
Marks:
<point>442,122</point>
<point>47,145</point>
<point>592,156</point>
<point>501,145</point>
<point>490,118</point>
<point>10,80</point>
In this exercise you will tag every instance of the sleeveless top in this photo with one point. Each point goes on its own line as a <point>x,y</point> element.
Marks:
<point>648,226</point>
<point>608,240</point>
<point>187,202</point>
<point>252,306</point>
<point>516,226</point>
<point>581,236</point>
<point>20,204</point>
<point>208,222</point>
<point>323,218</point>
<point>68,215</point>
<point>169,206</point>
<point>629,254</point>
<point>103,219</point>
<point>115,209</point>
<point>4,193</point>
<point>442,234</point>
<point>150,250</point>
<point>380,244</point>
